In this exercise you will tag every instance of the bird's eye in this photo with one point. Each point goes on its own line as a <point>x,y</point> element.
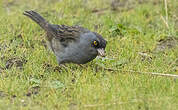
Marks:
<point>95,43</point>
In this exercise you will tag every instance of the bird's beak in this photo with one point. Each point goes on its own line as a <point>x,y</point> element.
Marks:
<point>101,52</point>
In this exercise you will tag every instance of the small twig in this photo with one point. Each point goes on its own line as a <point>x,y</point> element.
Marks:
<point>151,73</point>
<point>165,5</point>
<point>109,104</point>
<point>164,21</point>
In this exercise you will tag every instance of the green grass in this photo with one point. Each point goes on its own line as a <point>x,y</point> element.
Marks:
<point>31,80</point>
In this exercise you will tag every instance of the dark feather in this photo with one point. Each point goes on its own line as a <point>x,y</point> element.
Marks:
<point>56,31</point>
<point>69,32</point>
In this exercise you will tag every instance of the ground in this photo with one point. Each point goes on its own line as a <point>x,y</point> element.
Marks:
<point>142,39</point>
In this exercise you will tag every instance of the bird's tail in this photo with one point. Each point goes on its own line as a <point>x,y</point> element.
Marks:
<point>40,20</point>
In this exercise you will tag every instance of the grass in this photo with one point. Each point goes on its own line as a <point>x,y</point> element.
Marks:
<point>30,77</point>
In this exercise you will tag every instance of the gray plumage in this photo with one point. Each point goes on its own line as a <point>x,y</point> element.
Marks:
<point>70,44</point>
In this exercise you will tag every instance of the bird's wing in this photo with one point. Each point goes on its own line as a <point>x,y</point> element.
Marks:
<point>68,32</point>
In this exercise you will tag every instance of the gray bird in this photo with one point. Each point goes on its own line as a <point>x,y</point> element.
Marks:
<point>70,44</point>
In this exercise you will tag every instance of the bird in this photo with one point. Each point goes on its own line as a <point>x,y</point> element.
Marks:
<point>70,44</point>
